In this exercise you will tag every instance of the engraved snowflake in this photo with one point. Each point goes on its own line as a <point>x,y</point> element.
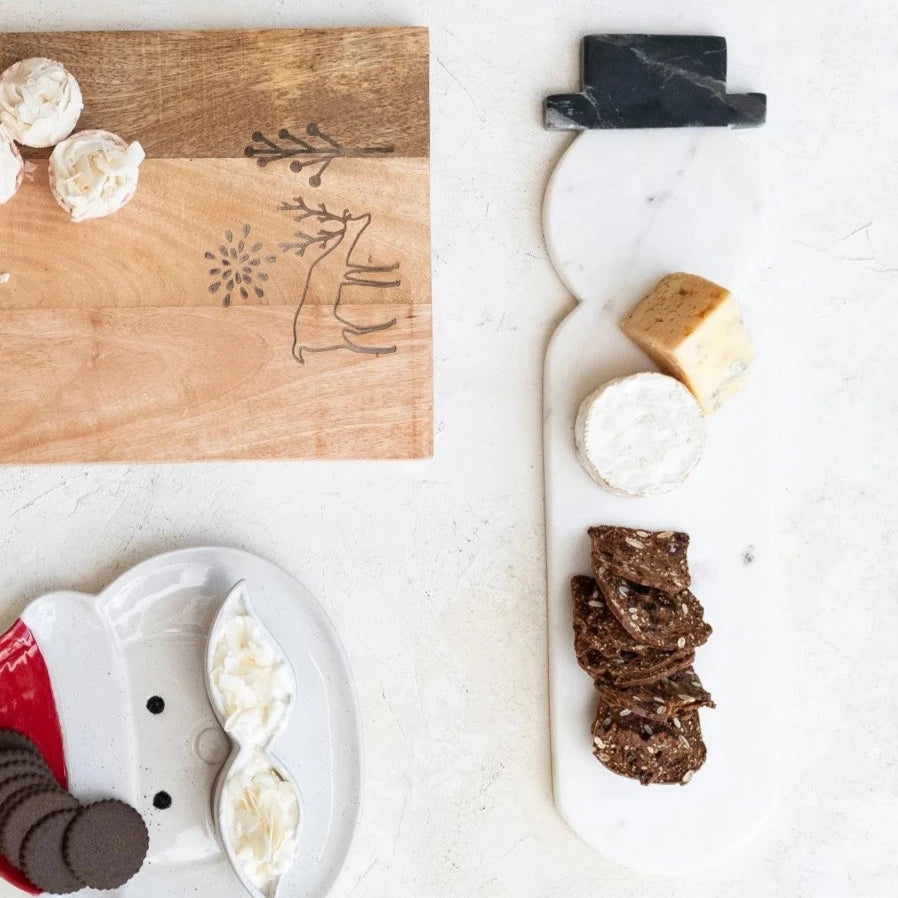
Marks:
<point>240,267</point>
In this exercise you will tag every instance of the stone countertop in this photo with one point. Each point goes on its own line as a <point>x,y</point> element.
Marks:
<point>434,571</point>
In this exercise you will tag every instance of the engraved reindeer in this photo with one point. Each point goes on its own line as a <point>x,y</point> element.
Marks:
<point>336,237</point>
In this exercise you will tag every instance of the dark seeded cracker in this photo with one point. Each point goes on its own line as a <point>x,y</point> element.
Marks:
<point>655,618</point>
<point>660,753</point>
<point>595,627</point>
<point>106,844</point>
<point>669,697</point>
<point>645,668</point>
<point>606,651</point>
<point>650,558</point>
<point>41,858</point>
<point>26,811</point>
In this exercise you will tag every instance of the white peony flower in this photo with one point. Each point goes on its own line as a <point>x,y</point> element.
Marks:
<point>40,102</point>
<point>94,173</point>
<point>12,168</point>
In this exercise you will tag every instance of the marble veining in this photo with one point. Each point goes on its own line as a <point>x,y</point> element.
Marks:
<point>653,81</point>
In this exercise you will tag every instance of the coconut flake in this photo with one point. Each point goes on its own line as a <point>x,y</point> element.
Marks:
<point>94,173</point>
<point>40,102</point>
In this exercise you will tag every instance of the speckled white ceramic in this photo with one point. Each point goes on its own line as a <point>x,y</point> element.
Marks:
<point>146,635</point>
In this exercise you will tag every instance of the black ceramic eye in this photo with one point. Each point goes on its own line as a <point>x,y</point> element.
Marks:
<point>155,705</point>
<point>162,801</point>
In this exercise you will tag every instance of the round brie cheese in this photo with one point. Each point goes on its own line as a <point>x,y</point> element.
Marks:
<point>12,167</point>
<point>640,435</point>
<point>40,102</point>
<point>94,173</point>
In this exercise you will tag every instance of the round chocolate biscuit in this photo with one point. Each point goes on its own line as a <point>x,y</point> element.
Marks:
<point>20,755</point>
<point>23,789</point>
<point>16,759</point>
<point>42,860</point>
<point>106,844</point>
<point>24,812</point>
<point>13,739</point>
<point>25,780</point>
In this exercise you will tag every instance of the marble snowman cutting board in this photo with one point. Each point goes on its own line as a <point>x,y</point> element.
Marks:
<point>623,209</point>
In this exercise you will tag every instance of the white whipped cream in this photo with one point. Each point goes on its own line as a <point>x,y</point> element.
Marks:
<point>40,102</point>
<point>94,173</point>
<point>262,811</point>
<point>12,168</point>
<point>253,680</point>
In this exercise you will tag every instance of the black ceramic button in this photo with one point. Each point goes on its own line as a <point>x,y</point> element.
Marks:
<point>156,705</point>
<point>654,81</point>
<point>162,801</point>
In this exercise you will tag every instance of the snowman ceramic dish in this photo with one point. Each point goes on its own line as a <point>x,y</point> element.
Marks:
<point>658,184</point>
<point>113,691</point>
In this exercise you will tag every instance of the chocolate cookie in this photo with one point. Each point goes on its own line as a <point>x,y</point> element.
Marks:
<point>660,701</point>
<point>649,752</point>
<point>33,764</point>
<point>41,856</point>
<point>655,618</point>
<point>645,668</point>
<point>26,811</point>
<point>22,781</point>
<point>20,756</point>
<point>13,739</point>
<point>650,558</point>
<point>23,788</point>
<point>106,844</point>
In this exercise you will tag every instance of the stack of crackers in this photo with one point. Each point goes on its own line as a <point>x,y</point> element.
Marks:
<point>636,628</point>
<point>59,844</point>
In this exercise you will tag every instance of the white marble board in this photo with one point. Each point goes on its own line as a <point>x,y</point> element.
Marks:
<point>622,209</point>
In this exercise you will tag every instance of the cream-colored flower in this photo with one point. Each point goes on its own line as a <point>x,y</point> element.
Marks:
<point>40,102</point>
<point>94,173</point>
<point>12,168</point>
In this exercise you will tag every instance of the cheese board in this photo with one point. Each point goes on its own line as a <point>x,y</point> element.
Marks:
<point>267,292</point>
<point>623,209</point>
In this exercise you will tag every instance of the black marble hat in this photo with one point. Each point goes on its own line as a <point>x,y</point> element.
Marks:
<point>654,81</point>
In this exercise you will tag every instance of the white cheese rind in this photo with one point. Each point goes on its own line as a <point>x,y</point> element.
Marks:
<point>640,435</point>
<point>40,102</point>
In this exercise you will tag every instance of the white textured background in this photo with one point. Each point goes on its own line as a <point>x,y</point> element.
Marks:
<point>433,572</point>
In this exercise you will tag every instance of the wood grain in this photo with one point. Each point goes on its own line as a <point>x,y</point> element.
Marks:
<point>187,94</point>
<point>152,253</point>
<point>204,320</point>
<point>170,384</point>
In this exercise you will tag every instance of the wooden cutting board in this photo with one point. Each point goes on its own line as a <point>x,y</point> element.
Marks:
<point>267,294</point>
